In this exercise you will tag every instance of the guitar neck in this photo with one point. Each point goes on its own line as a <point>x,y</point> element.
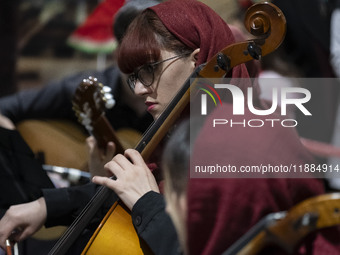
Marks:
<point>104,133</point>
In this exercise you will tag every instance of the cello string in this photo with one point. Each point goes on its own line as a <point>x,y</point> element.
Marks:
<point>78,225</point>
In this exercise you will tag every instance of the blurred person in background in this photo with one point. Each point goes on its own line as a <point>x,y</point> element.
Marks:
<point>211,213</point>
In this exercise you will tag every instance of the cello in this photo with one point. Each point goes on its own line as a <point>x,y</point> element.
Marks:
<point>264,21</point>
<point>287,228</point>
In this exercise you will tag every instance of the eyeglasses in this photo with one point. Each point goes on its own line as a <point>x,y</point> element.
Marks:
<point>146,73</point>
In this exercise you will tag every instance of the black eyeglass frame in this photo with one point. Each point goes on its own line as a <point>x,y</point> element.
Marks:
<point>132,78</point>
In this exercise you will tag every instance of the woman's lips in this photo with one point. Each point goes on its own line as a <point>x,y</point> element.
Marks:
<point>150,105</point>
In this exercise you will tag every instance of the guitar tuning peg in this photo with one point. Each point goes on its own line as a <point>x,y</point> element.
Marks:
<point>110,103</point>
<point>89,128</point>
<point>106,89</point>
<point>82,115</point>
<point>91,78</point>
<point>107,96</point>
<point>85,121</point>
<point>86,82</point>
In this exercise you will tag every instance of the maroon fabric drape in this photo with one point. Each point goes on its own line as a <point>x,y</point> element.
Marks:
<point>221,210</point>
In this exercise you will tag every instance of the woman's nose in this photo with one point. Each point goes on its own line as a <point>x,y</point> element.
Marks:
<point>140,89</point>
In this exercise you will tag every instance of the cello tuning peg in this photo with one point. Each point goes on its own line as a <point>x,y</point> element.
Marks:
<point>223,62</point>
<point>254,50</point>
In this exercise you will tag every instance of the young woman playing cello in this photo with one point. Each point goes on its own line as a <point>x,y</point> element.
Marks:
<point>160,50</point>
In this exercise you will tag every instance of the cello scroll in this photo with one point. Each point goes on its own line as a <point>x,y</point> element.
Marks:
<point>267,23</point>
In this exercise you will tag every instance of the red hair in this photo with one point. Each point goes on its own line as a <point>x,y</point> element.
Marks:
<point>144,40</point>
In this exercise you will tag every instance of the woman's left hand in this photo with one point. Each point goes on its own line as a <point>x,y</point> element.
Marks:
<point>134,178</point>
<point>98,158</point>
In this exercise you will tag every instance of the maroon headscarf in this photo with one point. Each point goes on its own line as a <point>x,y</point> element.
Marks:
<point>198,26</point>
<point>221,210</point>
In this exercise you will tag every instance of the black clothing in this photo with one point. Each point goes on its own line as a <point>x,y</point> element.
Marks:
<point>154,225</point>
<point>21,175</point>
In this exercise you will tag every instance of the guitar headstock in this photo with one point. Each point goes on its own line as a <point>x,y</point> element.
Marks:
<point>90,101</point>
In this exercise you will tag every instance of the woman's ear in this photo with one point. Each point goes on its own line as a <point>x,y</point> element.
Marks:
<point>194,55</point>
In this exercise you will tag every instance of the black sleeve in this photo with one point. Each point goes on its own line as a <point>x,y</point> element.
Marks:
<point>21,175</point>
<point>65,204</point>
<point>154,225</point>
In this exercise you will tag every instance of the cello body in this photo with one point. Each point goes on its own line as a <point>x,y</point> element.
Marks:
<point>117,226</point>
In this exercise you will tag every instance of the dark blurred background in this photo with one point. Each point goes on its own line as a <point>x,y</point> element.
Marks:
<point>33,46</point>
